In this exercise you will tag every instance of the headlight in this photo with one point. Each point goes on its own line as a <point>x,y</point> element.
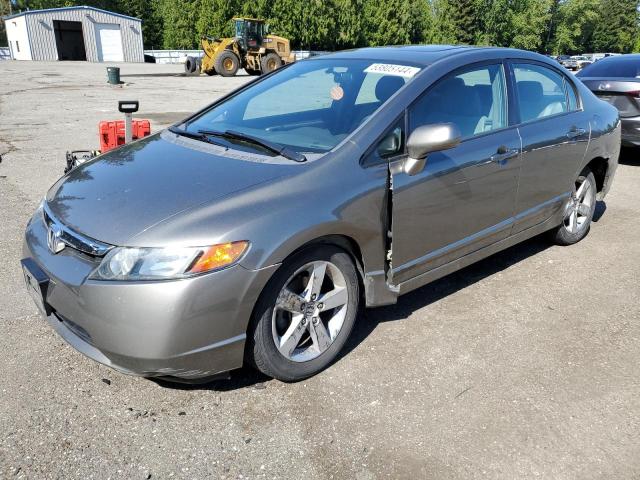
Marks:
<point>128,263</point>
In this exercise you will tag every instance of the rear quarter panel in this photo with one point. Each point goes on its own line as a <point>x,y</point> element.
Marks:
<point>605,141</point>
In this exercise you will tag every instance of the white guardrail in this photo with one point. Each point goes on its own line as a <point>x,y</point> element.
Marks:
<point>5,53</point>
<point>179,56</point>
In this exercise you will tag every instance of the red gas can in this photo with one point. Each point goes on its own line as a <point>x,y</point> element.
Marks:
<point>112,133</point>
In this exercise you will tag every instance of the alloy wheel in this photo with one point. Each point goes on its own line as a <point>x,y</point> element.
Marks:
<point>579,208</point>
<point>310,311</point>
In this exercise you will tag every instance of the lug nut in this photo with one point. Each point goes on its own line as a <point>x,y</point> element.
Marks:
<point>320,306</point>
<point>313,296</point>
<point>315,320</point>
<point>304,322</point>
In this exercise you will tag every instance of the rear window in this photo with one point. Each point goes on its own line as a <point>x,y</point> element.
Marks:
<point>613,67</point>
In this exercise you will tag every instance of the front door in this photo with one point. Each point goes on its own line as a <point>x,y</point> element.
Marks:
<point>464,199</point>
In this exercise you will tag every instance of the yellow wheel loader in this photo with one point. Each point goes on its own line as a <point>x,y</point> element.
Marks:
<point>252,48</point>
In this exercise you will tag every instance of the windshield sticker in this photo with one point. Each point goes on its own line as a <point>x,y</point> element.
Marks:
<point>390,69</point>
<point>337,92</point>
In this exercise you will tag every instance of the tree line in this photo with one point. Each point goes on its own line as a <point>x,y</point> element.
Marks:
<point>547,26</point>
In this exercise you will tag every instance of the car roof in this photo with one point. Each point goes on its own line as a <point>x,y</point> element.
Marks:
<point>422,55</point>
<point>621,58</point>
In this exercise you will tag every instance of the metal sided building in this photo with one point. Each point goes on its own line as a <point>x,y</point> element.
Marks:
<point>74,33</point>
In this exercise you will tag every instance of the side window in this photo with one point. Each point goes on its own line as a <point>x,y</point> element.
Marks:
<point>540,92</point>
<point>571,95</point>
<point>473,100</point>
<point>390,145</point>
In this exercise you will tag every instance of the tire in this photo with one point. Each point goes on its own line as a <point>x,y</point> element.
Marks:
<point>579,211</point>
<point>190,65</point>
<point>293,337</point>
<point>227,63</point>
<point>270,62</point>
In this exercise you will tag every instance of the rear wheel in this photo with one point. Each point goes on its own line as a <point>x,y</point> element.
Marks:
<point>578,211</point>
<point>270,62</point>
<point>227,64</point>
<point>305,314</point>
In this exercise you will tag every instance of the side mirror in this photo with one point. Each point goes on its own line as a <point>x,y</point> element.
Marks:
<point>426,139</point>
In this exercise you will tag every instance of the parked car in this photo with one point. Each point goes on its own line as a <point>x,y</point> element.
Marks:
<point>581,61</point>
<point>254,230</point>
<point>616,80</point>
<point>567,62</point>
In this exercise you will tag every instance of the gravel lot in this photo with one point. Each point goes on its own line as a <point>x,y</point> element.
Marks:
<point>522,366</point>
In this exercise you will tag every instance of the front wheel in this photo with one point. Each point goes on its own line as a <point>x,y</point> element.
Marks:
<point>578,211</point>
<point>305,314</point>
<point>227,63</point>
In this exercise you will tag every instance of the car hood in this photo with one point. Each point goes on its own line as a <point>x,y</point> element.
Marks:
<point>128,190</point>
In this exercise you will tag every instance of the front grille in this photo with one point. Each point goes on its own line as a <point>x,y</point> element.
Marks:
<point>76,240</point>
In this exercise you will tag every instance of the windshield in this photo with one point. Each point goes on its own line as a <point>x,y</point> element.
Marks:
<point>613,67</point>
<point>310,106</point>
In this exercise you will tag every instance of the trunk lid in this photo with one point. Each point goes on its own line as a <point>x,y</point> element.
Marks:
<point>622,93</point>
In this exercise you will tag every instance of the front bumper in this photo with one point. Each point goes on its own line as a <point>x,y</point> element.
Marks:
<point>631,132</point>
<point>188,329</point>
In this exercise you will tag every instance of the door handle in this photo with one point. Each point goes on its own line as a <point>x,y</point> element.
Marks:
<point>575,132</point>
<point>503,155</point>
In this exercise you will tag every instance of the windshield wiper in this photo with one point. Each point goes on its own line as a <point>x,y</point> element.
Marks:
<point>196,136</point>
<point>267,145</point>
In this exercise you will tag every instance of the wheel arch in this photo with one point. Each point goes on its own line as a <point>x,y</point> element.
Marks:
<point>342,241</point>
<point>599,166</point>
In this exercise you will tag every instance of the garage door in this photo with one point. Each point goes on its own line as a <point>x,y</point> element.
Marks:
<point>109,42</point>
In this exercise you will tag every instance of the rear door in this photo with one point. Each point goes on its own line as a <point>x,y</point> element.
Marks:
<point>555,134</point>
<point>464,199</point>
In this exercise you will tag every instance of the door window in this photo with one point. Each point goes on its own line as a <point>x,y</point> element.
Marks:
<point>473,100</point>
<point>571,95</point>
<point>540,92</point>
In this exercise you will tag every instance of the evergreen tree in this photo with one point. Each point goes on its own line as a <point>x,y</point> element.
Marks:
<point>5,9</point>
<point>465,20</point>
<point>575,25</point>
<point>392,22</point>
<point>617,30</point>
<point>179,19</point>
<point>214,18</point>
<point>309,25</point>
<point>349,24</point>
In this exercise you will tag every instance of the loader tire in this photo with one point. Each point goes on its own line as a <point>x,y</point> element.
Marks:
<point>227,64</point>
<point>190,65</point>
<point>270,62</point>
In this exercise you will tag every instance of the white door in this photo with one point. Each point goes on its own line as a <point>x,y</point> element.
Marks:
<point>109,42</point>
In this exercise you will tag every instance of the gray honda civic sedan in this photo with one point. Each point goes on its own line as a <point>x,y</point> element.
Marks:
<point>253,231</point>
